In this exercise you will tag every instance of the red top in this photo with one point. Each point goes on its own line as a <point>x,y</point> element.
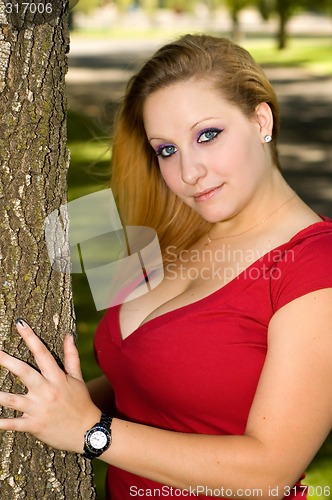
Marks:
<point>195,369</point>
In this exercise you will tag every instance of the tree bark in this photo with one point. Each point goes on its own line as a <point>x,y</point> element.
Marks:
<point>33,170</point>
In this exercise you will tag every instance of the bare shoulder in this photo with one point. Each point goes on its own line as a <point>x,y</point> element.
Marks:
<point>299,217</point>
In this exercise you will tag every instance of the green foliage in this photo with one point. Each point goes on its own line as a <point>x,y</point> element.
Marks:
<point>322,6</point>
<point>123,5</point>
<point>287,8</point>
<point>238,5</point>
<point>87,6</point>
<point>149,5</point>
<point>265,8</point>
<point>319,474</point>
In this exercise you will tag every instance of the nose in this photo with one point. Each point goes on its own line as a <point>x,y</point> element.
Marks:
<point>192,168</point>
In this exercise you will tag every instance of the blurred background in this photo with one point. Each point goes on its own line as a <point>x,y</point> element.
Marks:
<point>292,39</point>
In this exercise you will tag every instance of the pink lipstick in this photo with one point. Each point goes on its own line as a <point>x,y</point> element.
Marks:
<point>207,194</point>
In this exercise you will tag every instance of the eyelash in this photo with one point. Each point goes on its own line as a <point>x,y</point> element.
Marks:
<point>162,148</point>
<point>215,131</point>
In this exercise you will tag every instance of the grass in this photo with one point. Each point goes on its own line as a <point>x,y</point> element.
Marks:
<point>309,52</point>
<point>117,33</point>
<point>89,172</point>
<point>312,54</point>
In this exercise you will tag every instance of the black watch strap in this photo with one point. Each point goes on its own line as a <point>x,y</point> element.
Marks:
<point>103,428</point>
<point>106,421</point>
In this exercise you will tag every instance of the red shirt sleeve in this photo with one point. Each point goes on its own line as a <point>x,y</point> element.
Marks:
<point>304,268</point>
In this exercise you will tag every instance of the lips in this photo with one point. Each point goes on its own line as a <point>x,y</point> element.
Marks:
<point>207,193</point>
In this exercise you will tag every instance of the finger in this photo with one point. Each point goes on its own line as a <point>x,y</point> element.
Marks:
<point>14,401</point>
<point>20,424</point>
<point>28,375</point>
<point>71,358</point>
<point>44,359</point>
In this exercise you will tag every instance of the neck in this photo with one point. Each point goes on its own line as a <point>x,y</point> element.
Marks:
<point>268,201</point>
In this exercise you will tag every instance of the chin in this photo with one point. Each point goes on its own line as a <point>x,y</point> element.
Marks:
<point>213,219</point>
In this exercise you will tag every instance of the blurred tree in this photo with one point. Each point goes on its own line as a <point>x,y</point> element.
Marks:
<point>180,6</point>
<point>318,6</point>
<point>234,8</point>
<point>285,9</point>
<point>34,162</point>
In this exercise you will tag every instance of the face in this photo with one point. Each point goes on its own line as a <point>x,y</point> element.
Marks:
<point>210,154</point>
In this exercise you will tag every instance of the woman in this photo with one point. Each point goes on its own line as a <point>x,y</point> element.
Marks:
<point>220,376</point>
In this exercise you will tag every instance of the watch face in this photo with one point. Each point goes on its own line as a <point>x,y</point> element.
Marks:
<point>98,440</point>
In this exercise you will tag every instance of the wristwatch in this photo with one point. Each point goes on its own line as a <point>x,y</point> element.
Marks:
<point>98,439</point>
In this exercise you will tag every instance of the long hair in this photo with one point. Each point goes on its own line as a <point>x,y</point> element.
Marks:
<point>142,196</point>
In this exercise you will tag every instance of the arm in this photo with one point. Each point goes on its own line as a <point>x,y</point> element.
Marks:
<point>290,417</point>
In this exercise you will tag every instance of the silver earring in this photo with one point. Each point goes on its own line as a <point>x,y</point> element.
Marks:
<point>268,138</point>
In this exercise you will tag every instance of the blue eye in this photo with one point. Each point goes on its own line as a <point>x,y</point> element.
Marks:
<point>166,150</point>
<point>208,134</point>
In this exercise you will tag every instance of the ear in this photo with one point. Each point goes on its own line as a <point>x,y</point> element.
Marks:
<point>264,119</point>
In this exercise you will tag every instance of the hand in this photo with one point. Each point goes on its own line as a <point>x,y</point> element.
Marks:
<point>57,408</point>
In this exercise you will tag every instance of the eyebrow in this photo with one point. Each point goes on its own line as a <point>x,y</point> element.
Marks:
<point>191,128</point>
<point>155,139</point>
<point>203,120</point>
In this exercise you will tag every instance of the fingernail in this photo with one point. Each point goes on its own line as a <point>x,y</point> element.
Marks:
<point>73,336</point>
<point>21,322</point>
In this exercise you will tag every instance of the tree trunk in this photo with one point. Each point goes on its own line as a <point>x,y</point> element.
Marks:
<point>236,30</point>
<point>283,14</point>
<point>33,170</point>
<point>282,33</point>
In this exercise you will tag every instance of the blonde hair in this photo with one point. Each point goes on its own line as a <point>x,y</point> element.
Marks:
<point>140,191</point>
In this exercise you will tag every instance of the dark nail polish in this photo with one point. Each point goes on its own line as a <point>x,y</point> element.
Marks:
<point>21,322</point>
